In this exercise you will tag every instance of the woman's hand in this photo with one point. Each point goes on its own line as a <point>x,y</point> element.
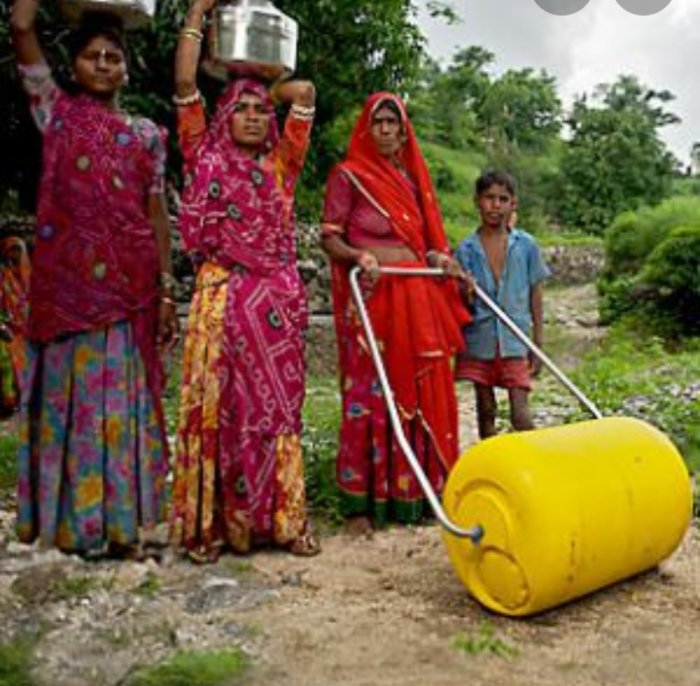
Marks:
<point>22,20</point>
<point>203,5</point>
<point>296,92</point>
<point>369,265</point>
<point>168,325</point>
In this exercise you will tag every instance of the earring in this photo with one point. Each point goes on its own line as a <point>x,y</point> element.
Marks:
<point>125,79</point>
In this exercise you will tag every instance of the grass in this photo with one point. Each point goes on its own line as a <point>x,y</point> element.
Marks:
<point>320,441</point>
<point>484,640</point>
<point>16,660</point>
<point>77,587</point>
<point>636,375</point>
<point>149,587</point>
<point>8,461</point>
<point>194,668</point>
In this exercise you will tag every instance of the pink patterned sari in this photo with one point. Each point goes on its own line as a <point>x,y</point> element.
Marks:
<point>239,471</point>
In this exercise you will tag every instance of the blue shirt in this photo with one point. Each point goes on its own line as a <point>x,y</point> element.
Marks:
<point>523,268</point>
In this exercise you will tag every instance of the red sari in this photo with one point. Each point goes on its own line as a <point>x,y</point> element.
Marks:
<point>417,322</point>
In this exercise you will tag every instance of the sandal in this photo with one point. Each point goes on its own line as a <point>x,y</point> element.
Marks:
<point>202,555</point>
<point>306,545</point>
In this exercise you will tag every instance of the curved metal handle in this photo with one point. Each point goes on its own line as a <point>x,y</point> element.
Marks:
<point>475,533</point>
<point>514,329</point>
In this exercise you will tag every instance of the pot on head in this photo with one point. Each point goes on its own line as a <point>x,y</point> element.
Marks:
<point>251,38</point>
<point>133,13</point>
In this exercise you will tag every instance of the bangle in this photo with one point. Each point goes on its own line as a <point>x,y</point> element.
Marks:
<point>439,257</point>
<point>187,99</point>
<point>191,33</point>
<point>301,112</point>
<point>168,301</point>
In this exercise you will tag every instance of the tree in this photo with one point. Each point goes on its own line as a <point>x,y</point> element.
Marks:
<point>523,108</point>
<point>615,159</point>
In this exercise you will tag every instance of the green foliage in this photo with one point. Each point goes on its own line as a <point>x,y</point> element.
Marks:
<point>149,587</point>
<point>16,659</point>
<point>633,235</point>
<point>522,108</point>
<point>8,461</point>
<point>672,272</point>
<point>653,265</point>
<point>484,640</point>
<point>633,373</point>
<point>454,173</point>
<point>615,159</point>
<point>321,416</point>
<point>191,668</point>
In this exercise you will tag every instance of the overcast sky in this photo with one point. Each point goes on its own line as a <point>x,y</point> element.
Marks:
<point>592,46</point>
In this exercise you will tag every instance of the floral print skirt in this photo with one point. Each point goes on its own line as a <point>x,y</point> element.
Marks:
<point>92,457</point>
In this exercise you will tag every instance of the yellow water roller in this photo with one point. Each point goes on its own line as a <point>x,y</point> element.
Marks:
<point>535,519</point>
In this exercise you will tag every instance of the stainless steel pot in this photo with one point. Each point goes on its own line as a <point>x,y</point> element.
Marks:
<point>252,37</point>
<point>134,13</point>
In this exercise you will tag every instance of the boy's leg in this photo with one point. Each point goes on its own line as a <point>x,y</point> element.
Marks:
<point>485,410</point>
<point>520,409</point>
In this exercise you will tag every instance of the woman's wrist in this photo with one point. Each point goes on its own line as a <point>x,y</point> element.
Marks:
<point>23,16</point>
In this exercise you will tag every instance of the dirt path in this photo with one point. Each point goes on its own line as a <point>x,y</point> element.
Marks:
<point>387,612</point>
<point>383,611</point>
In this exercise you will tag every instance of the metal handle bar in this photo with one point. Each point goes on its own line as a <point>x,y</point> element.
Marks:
<point>475,533</point>
<point>514,329</point>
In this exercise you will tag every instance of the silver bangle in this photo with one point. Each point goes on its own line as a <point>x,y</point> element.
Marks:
<point>301,112</point>
<point>187,99</point>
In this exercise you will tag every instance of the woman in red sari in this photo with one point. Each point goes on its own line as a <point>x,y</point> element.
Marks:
<point>381,209</point>
<point>239,476</point>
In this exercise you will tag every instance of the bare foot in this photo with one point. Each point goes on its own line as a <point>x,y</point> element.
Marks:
<point>305,545</point>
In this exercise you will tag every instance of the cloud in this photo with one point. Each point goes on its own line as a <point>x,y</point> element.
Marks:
<point>581,50</point>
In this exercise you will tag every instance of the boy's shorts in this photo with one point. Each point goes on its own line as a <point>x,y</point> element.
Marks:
<point>504,372</point>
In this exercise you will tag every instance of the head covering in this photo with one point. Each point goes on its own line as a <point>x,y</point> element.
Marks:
<point>413,211</point>
<point>228,201</point>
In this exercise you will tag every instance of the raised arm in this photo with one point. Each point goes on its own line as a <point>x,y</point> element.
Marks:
<point>297,92</point>
<point>24,35</point>
<point>189,46</point>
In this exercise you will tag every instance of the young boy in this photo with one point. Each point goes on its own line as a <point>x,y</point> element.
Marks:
<point>507,264</point>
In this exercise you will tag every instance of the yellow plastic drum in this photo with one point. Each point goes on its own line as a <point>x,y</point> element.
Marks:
<point>565,511</point>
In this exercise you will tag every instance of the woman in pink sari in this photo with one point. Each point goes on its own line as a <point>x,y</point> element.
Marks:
<point>93,457</point>
<point>239,473</point>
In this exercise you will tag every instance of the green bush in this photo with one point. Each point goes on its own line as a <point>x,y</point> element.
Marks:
<point>632,236</point>
<point>672,273</point>
<point>653,266</point>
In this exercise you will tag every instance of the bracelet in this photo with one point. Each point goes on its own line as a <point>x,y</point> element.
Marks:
<point>191,33</point>
<point>168,301</point>
<point>440,258</point>
<point>301,112</point>
<point>187,99</point>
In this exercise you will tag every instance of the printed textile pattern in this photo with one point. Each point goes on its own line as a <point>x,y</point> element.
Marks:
<point>239,476</point>
<point>92,461</point>
<point>14,289</point>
